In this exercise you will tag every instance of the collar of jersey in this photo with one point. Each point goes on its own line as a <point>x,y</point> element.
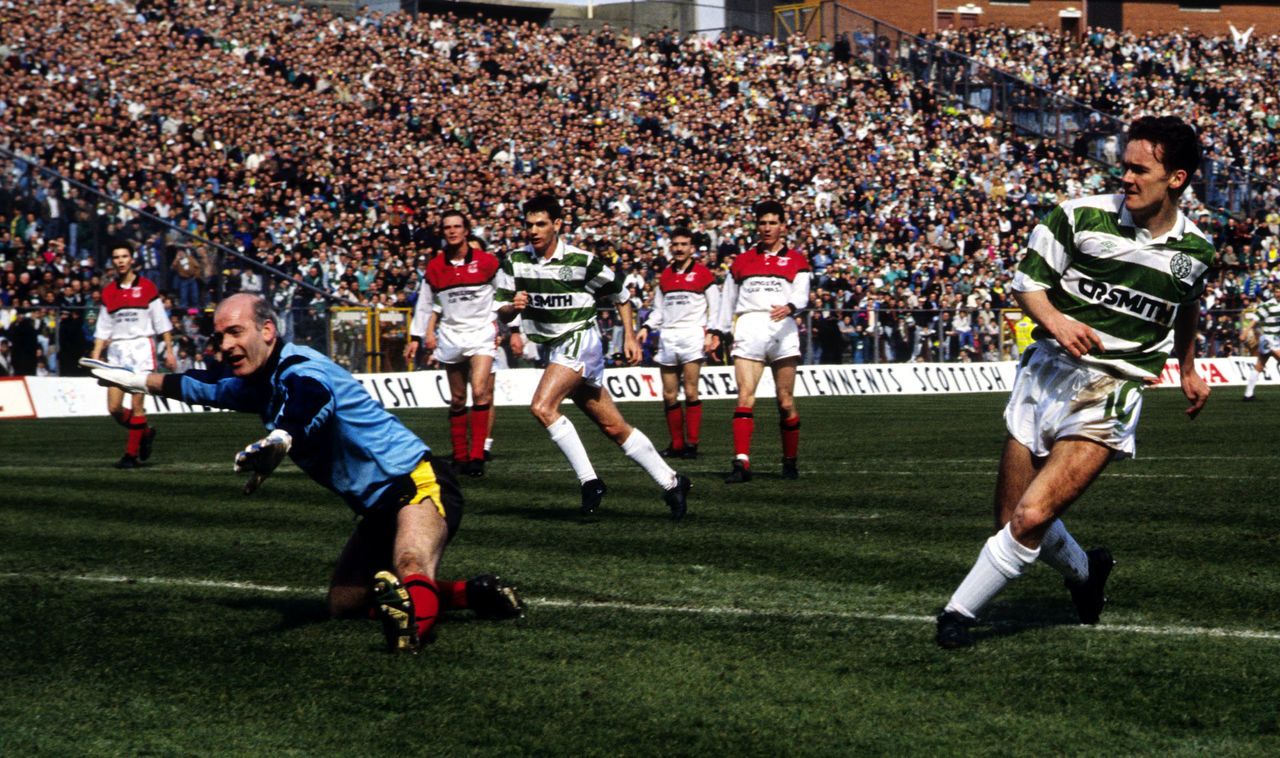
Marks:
<point>556,255</point>
<point>1173,235</point>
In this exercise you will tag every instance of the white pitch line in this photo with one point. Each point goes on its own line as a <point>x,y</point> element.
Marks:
<point>548,602</point>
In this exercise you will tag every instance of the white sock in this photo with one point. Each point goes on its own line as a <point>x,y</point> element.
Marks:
<point>488,443</point>
<point>639,449</point>
<point>1001,560</point>
<point>566,438</point>
<point>1253,380</point>
<point>1060,550</point>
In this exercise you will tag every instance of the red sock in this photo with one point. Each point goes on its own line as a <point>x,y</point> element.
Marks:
<point>458,434</point>
<point>479,430</point>
<point>693,421</point>
<point>744,423</point>
<point>137,427</point>
<point>454,594</point>
<point>675,425</point>
<point>790,437</point>
<point>426,602</point>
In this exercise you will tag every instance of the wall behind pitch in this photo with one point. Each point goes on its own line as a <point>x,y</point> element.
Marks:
<point>55,397</point>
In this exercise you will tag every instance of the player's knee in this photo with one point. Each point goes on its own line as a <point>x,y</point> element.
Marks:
<point>121,415</point>
<point>670,398</point>
<point>786,407</point>
<point>618,431</point>
<point>1029,523</point>
<point>543,413</point>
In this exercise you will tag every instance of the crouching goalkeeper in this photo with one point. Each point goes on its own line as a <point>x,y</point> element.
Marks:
<point>318,414</point>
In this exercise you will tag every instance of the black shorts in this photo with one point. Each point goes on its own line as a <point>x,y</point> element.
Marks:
<point>431,479</point>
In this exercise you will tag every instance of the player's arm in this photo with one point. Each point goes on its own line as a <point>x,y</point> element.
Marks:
<point>508,302</point>
<point>655,316</point>
<point>308,406</point>
<point>102,333</point>
<point>1184,350</point>
<point>723,322</point>
<point>161,326</point>
<point>797,298</point>
<point>630,345</point>
<point>1075,337</point>
<point>418,323</point>
<point>429,339</point>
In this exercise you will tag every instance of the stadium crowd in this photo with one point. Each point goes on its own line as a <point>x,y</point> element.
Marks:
<point>327,148</point>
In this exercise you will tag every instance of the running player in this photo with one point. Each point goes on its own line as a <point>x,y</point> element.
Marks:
<point>1267,326</point>
<point>553,286</point>
<point>1113,283</point>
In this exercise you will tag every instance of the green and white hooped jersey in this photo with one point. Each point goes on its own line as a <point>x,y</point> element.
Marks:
<point>563,290</point>
<point>1102,270</point>
<point>1268,315</point>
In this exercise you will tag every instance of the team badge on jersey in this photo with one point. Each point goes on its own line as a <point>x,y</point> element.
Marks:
<point>566,273</point>
<point>1180,265</point>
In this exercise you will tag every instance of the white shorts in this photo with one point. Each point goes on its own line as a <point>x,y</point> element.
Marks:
<point>677,346</point>
<point>580,351</point>
<point>1268,344</point>
<point>757,337</point>
<point>457,347</point>
<point>1055,396</point>
<point>138,354</point>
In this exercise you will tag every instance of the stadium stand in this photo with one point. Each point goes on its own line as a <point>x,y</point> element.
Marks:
<point>327,148</point>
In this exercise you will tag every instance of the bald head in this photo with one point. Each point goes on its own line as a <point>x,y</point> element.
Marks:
<point>245,327</point>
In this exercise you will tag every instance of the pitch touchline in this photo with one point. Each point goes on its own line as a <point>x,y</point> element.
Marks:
<point>548,602</point>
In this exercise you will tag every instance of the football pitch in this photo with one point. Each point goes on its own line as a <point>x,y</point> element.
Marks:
<point>161,612</point>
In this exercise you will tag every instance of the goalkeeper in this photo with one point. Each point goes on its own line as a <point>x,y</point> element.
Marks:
<point>318,414</point>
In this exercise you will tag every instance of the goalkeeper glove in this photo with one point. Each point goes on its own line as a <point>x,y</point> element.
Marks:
<point>261,458</point>
<point>110,375</point>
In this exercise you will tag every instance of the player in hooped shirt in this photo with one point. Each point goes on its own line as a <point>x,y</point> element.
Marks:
<point>463,333</point>
<point>686,296</point>
<point>767,285</point>
<point>131,314</point>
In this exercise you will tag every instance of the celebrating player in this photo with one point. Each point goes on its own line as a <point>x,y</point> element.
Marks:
<point>326,422</point>
<point>685,296</point>
<point>1106,279</point>
<point>553,286</point>
<point>1267,324</point>
<point>767,285</point>
<point>130,316</point>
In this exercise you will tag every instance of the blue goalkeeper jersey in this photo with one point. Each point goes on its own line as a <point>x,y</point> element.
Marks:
<point>342,437</point>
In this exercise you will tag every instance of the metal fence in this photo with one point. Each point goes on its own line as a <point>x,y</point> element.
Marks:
<point>50,340</point>
<point>82,224</point>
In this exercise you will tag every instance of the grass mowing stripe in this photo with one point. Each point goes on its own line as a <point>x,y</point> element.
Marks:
<point>547,602</point>
<point>617,468</point>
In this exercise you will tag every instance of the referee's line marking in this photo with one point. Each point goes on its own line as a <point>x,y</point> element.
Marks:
<point>549,602</point>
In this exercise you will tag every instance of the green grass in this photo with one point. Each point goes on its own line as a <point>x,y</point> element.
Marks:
<point>779,618</point>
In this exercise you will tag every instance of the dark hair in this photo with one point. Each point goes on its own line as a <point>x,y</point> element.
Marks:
<point>764,207</point>
<point>1177,146</point>
<point>466,222</point>
<point>543,204</point>
<point>681,231</point>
